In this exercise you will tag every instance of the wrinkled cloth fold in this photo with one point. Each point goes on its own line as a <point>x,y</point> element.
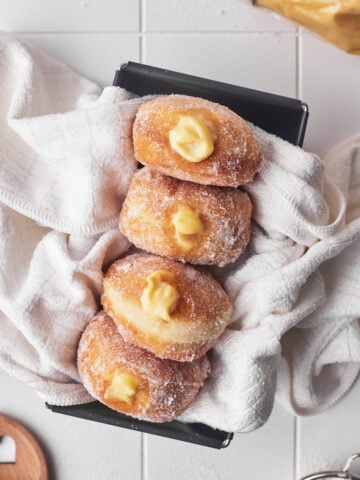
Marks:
<point>295,290</point>
<point>66,160</point>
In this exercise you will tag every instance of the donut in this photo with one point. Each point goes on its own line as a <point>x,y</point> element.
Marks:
<point>193,139</point>
<point>192,223</point>
<point>166,307</point>
<point>133,381</point>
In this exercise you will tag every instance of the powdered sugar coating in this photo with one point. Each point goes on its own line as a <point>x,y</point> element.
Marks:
<point>202,312</point>
<point>154,198</point>
<point>236,156</point>
<point>167,387</point>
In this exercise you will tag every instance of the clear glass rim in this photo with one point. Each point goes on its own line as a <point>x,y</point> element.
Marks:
<point>344,473</point>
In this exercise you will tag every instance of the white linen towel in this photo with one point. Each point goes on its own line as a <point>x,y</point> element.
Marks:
<point>296,292</point>
<point>66,160</point>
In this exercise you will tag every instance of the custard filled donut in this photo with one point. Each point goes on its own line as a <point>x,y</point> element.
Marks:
<point>133,381</point>
<point>185,221</point>
<point>164,306</point>
<point>196,140</point>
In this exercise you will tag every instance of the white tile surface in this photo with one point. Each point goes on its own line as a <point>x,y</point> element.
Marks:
<point>266,454</point>
<point>69,15</point>
<point>211,16</point>
<point>331,87</point>
<point>75,449</point>
<point>260,61</point>
<point>95,55</point>
<point>325,441</point>
<point>230,41</point>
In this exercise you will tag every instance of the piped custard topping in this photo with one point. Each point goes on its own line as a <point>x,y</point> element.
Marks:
<point>123,386</point>
<point>159,297</point>
<point>188,225</point>
<point>192,138</point>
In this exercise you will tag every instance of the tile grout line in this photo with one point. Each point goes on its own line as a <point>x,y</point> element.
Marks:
<point>142,29</point>
<point>141,456</point>
<point>75,32</point>
<point>296,447</point>
<point>144,461</point>
<point>141,32</point>
<point>220,32</point>
<point>299,64</point>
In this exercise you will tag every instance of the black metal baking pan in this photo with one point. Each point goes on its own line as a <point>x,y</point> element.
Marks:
<point>283,116</point>
<point>188,432</point>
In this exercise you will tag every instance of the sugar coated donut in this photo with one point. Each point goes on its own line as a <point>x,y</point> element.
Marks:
<point>132,380</point>
<point>169,308</point>
<point>182,220</point>
<point>196,140</point>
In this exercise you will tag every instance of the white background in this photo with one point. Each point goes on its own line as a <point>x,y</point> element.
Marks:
<point>230,41</point>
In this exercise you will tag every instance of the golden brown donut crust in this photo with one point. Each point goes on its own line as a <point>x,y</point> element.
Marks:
<point>152,201</point>
<point>236,156</point>
<point>201,315</point>
<point>164,388</point>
